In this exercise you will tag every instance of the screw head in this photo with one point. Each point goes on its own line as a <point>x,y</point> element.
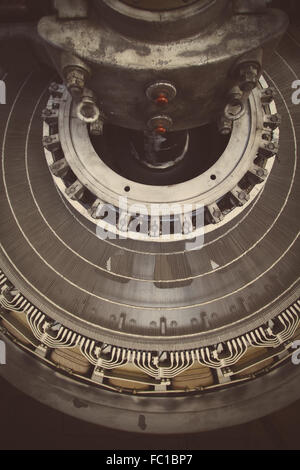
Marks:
<point>75,78</point>
<point>225,126</point>
<point>248,74</point>
<point>275,118</point>
<point>47,112</point>
<point>162,99</point>
<point>260,172</point>
<point>242,195</point>
<point>160,130</point>
<point>161,92</point>
<point>160,124</point>
<point>54,86</point>
<point>217,214</point>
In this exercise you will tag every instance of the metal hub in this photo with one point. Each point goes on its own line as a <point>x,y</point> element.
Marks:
<point>221,192</point>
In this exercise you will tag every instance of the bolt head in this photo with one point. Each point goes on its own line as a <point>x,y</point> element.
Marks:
<point>160,130</point>
<point>162,99</point>
<point>160,124</point>
<point>248,74</point>
<point>242,196</point>
<point>165,89</point>
<point>217,214</point>
<point>47,112</point>
<point>75,79</point>
<point>225,131</point>
<point>260,172</point>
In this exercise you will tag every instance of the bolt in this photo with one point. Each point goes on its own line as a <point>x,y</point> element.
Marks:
<point>248,74</point>
<point>47,112</point>
<point>54,86</point>
<point>268,95</point>
<point>260,172</point>
<point>235,95</point>
<point>49,115</point>
<point>162,99</point>
<point>225,126</point>
<point>160,124</point>
<point>267,137</point>
<point>75,78</point>
<point>59,168</point>
<point>96,128</point>
<point>217,214</point>
<point>161,92</point>
<point>275,118</point>
<point>272,121</point>
<point>242,196</point>
<point>47,140</point>
<point>225,130</point>
<point>160,130</point>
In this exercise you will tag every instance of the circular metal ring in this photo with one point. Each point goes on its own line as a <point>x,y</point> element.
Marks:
<point>108,186</point>
<point>234,116</point>
<point>206,190</point>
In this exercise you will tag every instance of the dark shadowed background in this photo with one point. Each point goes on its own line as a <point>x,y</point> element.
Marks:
<point>26,424</point>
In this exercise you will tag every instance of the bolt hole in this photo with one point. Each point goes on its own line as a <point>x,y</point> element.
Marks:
<point>213,177</point>
<point>127,189</point>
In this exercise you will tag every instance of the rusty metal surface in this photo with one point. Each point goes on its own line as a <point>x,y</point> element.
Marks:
<point>200,65</point>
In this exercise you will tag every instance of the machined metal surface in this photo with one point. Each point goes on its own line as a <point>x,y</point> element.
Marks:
<point>246,154</point>
<point>133,371</point>
<point>200,66</point>
<point>149,335</point>
<point>166,5</point>
<point>198,295</point>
